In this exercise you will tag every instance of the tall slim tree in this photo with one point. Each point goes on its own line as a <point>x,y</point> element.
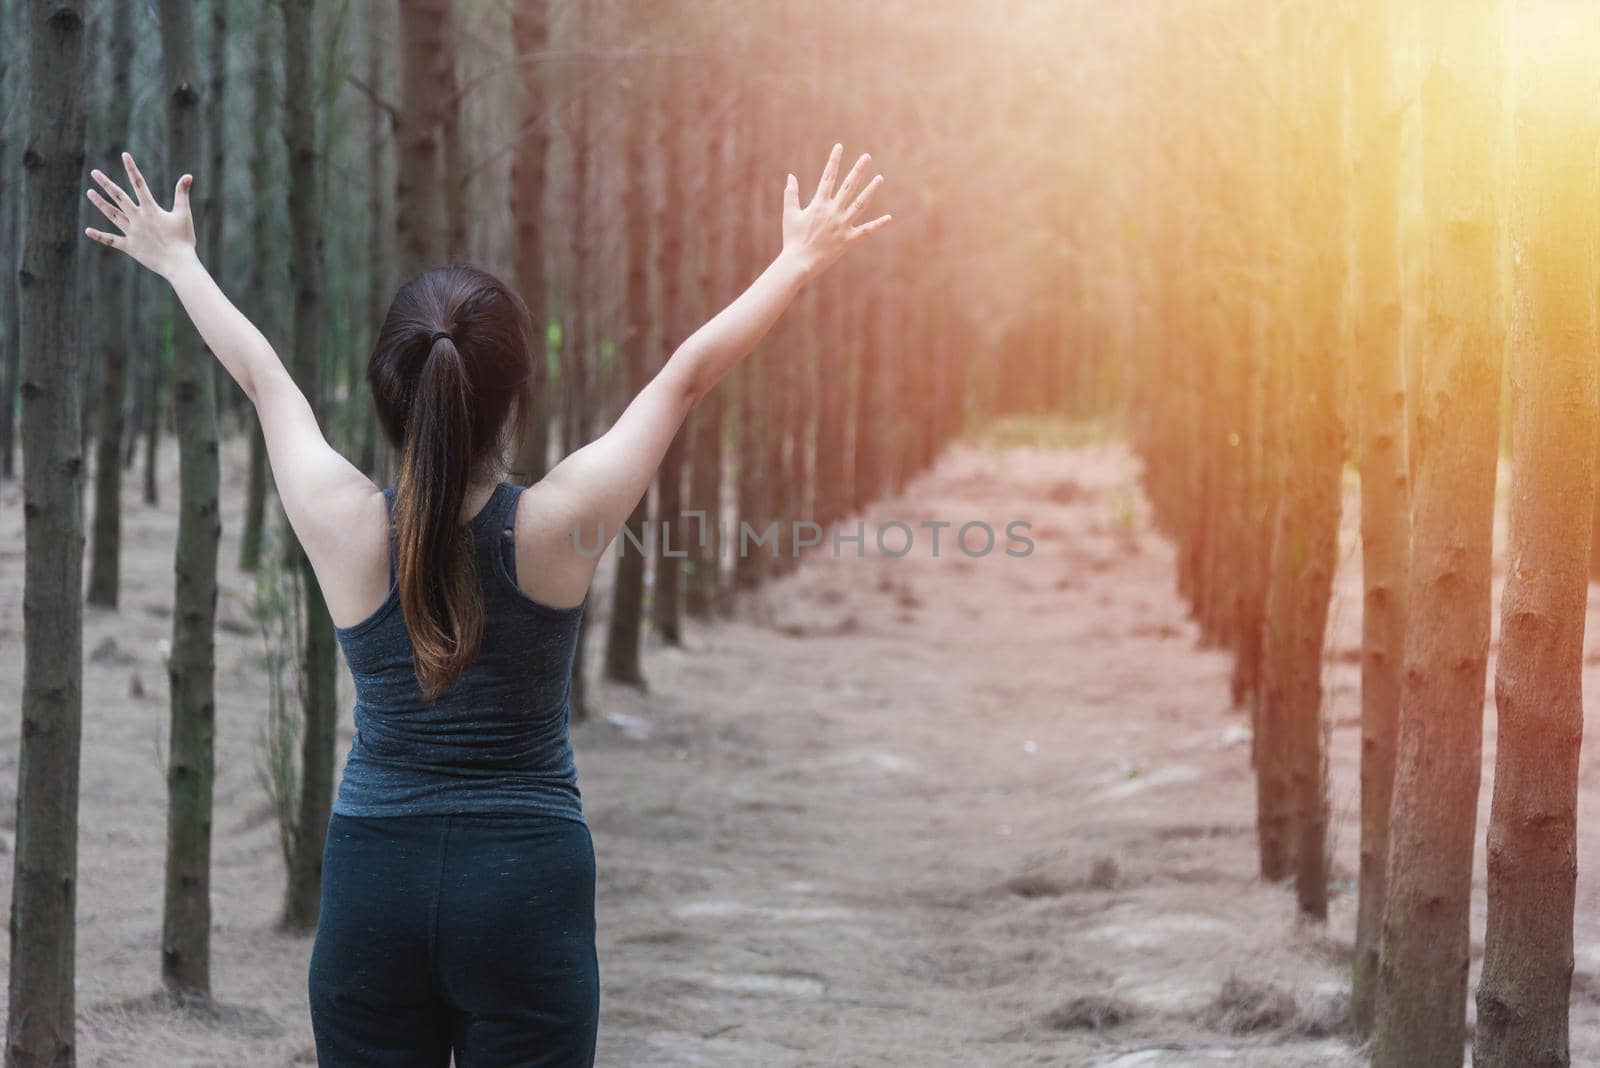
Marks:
<point>105,552</point>
<point>191,764</point>
<point>153,374</point>
<point>425,67</point>
<point>666,610</point>
<point>705,444</point>
<point>1385,500</point>
<point>212,216</point>
<point>1316,454</point>
<point>530,27</point>
<point>577,339</point>
<point>1422,977</point>
<point>623,662</point>
<point>320,710</point>
<point>42,1022</point>
<point>752,376</point>
<point>263,307</point>
<point>374,458</point>
<point>11,223</point>
<point>452,133</point>
<point>1554,220</point>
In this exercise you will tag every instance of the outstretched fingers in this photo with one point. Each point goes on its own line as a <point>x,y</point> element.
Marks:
<point>829,172</point>
<point>847,188</point>
<point>112,213</point>
<point>114,191</point>
<point>862,199</point>
<point>140,190</point>
<point>858,232</point>
<point>114,240</point>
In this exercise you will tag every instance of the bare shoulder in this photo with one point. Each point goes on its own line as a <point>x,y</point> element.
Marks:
<point>348,545</point>
<point>556,555</point>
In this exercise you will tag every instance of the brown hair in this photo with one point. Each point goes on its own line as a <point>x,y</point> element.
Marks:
<point>448,368</point>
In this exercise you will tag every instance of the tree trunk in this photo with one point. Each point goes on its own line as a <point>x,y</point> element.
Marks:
<point>419,175</point>
<point>1385,497</point>
<point>152,392</point>
<point>1266,626</point>
<point>671,252</point>
<point>705,447</point>
<point>263,118</point>
<point>798,361</point>
<point>1532,856</point>
<point>212,216</point>
<point>829,476</point>
<point>624,638</point>
<point>1422,981</point>
<point>106,549</point>
<point>530,27</point>
<point>577,394</point>
<point>42,1027</point>
<point>11,75</point>
<point>1313,498</point>
<point>451,110</point>
<point>380,222</point>
<point>754,374</point>
<point>321,717</point>
<point>867,457</point>
<point>186,923</point>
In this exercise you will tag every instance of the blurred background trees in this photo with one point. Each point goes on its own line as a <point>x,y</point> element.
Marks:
<point>1274,243</point>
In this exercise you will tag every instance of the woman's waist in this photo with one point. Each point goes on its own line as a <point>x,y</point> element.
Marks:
<point>495,745</point>
<point>373,786</point>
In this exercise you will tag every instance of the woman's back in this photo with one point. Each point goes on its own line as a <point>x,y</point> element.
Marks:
<point>496,738</point>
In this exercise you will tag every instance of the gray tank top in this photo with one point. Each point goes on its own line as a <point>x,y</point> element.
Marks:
<point>496,739</point>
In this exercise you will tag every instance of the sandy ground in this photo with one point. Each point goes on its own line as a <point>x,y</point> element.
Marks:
<point>917,811</point>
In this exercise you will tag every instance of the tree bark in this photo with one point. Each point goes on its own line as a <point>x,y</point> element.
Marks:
<point>754,375</point>
<point>705,447</point>
<point>42,1027</point>
<point>320,713</point>
<point>106,547</point>
<point>263,116</point>
<point>1316,456</point>
<point>1271,752</point>
<point>452,108</point>
<point>529,178</point>
<point>374,450</point>
<point>212,216</point>
<point>624,638</point>
<point>577,340</point>
<point>419,176</point>
<point>151,386</point>
<point>12,210</point>
<point>1422,980</point>
<point>673,532</point>
<point>191,769</point>
<point>1532,852</point>
<point>1385,496</point>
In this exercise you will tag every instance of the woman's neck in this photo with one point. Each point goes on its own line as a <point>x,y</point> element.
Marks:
<point>479,490</point>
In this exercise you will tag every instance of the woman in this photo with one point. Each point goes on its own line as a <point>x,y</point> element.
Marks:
<point>458,874</point>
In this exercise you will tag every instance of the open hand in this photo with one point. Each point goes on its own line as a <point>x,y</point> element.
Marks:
<point>160,240</point>
<point>818,234</point>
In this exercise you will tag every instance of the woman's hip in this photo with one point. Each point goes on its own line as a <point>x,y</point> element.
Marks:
<point>507,896</point>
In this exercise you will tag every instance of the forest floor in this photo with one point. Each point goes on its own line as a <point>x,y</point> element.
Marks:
<point>917,811</point>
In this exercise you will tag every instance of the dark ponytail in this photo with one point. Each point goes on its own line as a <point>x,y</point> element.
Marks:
<point>449,364</point>
<point>444,615</point>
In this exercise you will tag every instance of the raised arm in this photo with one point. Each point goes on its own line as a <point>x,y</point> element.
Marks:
<point>603,481</point>
<point>323,494</point>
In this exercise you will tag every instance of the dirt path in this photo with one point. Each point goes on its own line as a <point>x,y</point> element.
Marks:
<point>908,811</point>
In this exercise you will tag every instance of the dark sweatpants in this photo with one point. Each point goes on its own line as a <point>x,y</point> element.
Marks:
<point>466,932</point>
